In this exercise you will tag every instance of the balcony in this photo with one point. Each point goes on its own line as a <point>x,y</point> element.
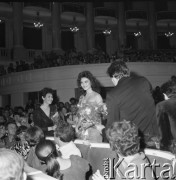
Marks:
<point>106,12</point>
<point>136,15</point>
<point>166,16</point>
<point>45,5</point>
<point>73,8</point>
<point>104,15</point>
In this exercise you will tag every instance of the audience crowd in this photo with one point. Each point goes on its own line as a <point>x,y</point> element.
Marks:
<point>72,57</point>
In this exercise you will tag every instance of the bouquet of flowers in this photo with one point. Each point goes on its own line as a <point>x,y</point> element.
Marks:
<point>89,115</point>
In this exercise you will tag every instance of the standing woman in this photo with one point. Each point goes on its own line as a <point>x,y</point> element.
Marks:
<point>89,119</point>
<point>43,114</point>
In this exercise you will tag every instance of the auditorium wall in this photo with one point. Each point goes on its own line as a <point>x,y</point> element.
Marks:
<point>64,79</point>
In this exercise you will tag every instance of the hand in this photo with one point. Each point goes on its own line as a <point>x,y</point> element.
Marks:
<point>54,127</point>
<point>97,176</point>
<point>100,127</point>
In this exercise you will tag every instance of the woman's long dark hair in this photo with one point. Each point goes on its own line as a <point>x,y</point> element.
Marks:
<point>95,84</point>
<point>53,167</point>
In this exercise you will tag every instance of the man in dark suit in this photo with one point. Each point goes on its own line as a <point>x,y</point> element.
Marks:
<point>131,99</point>
<point>166,114</point>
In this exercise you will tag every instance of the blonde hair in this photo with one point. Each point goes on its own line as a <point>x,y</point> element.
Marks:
<point>11,165</point>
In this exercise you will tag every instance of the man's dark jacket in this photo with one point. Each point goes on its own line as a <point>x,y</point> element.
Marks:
<point>166,119</point>
<point>132,100</point>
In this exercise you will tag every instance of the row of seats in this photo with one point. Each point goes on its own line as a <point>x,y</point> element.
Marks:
<point>97,154</point>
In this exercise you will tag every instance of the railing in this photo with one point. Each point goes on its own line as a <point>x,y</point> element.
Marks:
<point>5,54</point>
<point>31,54</point>
<point>166,15</point>
<point>102,11</point>
<point>38,4</point>
<point>72,7</point>
<point>132,14</point>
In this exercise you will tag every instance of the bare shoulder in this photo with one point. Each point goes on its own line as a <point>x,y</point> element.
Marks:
<point>98,97</point>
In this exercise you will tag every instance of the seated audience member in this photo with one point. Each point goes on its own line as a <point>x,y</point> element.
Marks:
<point>10,139</point>
<point>11,165</point>
<point>124,140</point>
<point>72,119</point>
<point>33,136</point>
<point>21,146</point>
<point>2,134</point>
<point>24,121</point>
<point>74,168</point>
<point>166,114</point>
<point>64,137</point>
<point>17,119</point>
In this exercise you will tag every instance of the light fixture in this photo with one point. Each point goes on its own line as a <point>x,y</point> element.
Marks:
<point>107,31</point>
<point>74,28</point>
<point>38,24</point>
<point>169,33</point>
<point>138,33</point>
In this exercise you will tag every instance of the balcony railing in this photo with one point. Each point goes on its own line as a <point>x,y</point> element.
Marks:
<point>166,15</point>
<point>72,7</point>
<point>5,54</point>
<point>38,4</point>
<point>132,14</point>
<point>102,11</point>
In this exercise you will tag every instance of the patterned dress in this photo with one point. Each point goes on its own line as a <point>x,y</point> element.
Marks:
<point>89,116</point>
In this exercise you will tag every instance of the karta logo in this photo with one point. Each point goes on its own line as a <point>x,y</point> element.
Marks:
<point>133,171</point>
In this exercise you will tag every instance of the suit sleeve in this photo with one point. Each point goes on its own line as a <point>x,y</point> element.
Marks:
<point>113,110</point>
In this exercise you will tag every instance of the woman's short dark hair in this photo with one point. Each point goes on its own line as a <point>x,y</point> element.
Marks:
<point>34,135</point>
<point>87,74</point>
<point>45,91</point>
<point>118,67</point>
<point>123,138</point>
<point>65,132</point>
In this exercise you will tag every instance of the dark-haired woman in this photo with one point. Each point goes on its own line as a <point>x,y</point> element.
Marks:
<point>43,115</point>
<point>89,116</point>
<point>74,168</point>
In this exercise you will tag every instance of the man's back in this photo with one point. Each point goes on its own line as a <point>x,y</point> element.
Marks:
<point>131,99</point>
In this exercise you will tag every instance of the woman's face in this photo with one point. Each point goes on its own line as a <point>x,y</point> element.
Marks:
<point>48,99</point>
<point>85,83</point>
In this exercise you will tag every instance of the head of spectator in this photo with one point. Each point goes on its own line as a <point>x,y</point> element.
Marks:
<point>24,120</point>
<point>60,105</point>
<point>123,138</point>
<point>72,100</point>
<point>21,132</point>
<point>2,130</point>
<point>64,134</point>
<point>2,119</point>
<point>73,108</point>
<point>117,70</point>
<point>46,151</point>
<point>47,95</point>
<point>11,128</point>
<point>34,135</point>
<point>67,105</point>
<point>11,165</point>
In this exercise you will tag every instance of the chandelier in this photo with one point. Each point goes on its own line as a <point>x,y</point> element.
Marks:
<point>74,28</point>
<point>168,33</point>
<point>107,31</point>
<point>38,24</point>
<point>137,34</point>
